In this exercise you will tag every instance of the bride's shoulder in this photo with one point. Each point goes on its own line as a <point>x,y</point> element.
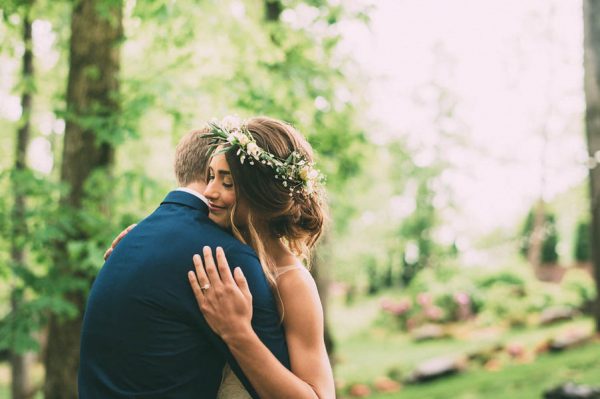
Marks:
<point>300,300</point>
<point>296,280</point>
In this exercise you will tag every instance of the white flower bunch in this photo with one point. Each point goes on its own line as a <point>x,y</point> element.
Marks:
<point>295,173</point>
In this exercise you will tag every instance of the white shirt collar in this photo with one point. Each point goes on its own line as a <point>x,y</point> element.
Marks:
<point>193,192</point>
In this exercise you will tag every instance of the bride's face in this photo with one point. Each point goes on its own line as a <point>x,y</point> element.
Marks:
<point>220,192</point>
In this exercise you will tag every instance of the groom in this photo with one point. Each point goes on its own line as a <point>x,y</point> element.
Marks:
<point>143,335</point>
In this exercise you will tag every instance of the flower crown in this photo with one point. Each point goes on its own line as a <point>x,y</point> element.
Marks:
<point>296,173</point>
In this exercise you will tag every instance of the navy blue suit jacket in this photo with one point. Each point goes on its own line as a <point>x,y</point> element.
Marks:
<point>143,335</point>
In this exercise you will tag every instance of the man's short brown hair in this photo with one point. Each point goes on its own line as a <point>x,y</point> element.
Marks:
<point>192,157</point>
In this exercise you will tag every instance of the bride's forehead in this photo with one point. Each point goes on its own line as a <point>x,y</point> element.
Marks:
<point>219,161</point>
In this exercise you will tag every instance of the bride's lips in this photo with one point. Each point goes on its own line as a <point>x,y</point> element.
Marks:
<point>215,208</point>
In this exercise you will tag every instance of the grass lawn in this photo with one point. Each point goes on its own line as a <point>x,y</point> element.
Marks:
<point>371,354</point>
<point>522,381</point>
<point>365,353</point>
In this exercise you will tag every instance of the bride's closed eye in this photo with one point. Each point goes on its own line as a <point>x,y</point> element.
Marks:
<point>226,180</point>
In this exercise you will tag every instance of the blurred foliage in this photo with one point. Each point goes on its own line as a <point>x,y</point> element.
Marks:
<point>583,250</point>
<point>549,253</point>
<point>580,286</point>
<point>508,296</point>
<point>48,223</point>
<point>391,203</point>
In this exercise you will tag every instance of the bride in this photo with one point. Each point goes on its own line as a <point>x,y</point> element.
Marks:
<point>263,187</point>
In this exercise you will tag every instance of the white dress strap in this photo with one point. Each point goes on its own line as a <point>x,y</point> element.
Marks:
<point>284,269</point>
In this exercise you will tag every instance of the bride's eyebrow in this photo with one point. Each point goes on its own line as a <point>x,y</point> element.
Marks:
<point>224,172</point>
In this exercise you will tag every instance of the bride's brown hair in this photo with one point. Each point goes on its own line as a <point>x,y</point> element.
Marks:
<point>298,219</point>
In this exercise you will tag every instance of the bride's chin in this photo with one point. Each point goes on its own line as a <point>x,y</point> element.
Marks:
<point>218,221</point>
<point>226,225</point>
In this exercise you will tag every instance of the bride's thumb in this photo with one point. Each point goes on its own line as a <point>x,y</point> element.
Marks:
<point>241,281</point>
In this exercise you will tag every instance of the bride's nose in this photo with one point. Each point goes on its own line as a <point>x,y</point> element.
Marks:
<point>211,192</point>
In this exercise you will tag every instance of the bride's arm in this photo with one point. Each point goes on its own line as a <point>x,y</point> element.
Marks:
<point>227,309</point>
<point>311,375</point>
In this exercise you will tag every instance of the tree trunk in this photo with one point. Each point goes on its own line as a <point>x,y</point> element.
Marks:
<point>96,31</point>
<point>19,362</point>
<point>591,16</point>
<point>322,287</point>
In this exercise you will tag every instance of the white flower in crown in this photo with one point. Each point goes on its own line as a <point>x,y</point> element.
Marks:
<point>241,138</point>
<point>308,173</point>
<point>253,150</point>
<point>310,186</point>
<point>231,123</point>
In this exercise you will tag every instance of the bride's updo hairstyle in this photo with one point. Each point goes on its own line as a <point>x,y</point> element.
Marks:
<point>297,217</point>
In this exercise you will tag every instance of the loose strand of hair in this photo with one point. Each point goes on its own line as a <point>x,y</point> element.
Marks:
<point>266,262</point>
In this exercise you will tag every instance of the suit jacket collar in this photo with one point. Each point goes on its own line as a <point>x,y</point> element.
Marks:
<point>187,199</point>
<point>193,192</point>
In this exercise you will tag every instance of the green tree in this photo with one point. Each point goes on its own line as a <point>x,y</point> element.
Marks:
<point>549,252</point>
<point>419,247</point>
<point>417,231</point>
<point>19,360</point>
<point>92,111</point>
<point>373,277</point>
<point>549,237</point>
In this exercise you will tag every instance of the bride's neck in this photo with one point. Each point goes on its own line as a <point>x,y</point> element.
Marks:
<point>274,245</point>
<point>279,252</point>
<point>275,248</point>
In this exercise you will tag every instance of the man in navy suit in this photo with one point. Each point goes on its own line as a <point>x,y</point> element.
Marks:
<point>143,335</point>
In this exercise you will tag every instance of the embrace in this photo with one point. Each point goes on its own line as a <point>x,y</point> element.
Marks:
<point>209,296</point>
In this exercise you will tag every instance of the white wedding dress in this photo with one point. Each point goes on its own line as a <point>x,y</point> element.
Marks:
<point>231,387</point>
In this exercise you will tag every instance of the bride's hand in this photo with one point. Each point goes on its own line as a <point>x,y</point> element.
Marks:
<point>116,240</point>
<point>224,300</point>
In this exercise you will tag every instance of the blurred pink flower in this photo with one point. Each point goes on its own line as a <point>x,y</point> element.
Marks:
<point>386,304</point>
<point>462,298</point>
<point>396,308</point>
<point>434,313</point>
<point>424,299</point>
<point>515,349</point>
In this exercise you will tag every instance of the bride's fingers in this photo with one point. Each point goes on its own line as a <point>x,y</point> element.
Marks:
<point>211,269</point>
<point>223,267</point>
<point>196,288</point>
<point>241,281</point>
<point>200,277</point>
